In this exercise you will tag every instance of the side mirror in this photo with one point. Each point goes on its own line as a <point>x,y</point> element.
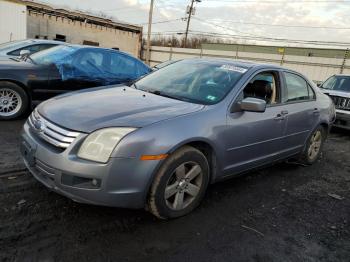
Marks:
<point>252,104</point>
<point>24,53</point>
<point>319,84</point>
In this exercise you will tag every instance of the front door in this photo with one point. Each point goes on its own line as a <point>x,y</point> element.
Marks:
<point>83,69</point>
<point>255,138</point>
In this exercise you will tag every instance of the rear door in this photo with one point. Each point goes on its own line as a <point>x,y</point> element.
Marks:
<point>302,112</point>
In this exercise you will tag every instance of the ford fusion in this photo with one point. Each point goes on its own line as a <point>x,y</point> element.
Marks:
<point>159,143</point>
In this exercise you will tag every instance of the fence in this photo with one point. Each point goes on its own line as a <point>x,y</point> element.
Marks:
<point>316,65</point>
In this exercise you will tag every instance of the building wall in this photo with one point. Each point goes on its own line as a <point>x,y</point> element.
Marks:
<point>76,32</point>
<point>13,22</point>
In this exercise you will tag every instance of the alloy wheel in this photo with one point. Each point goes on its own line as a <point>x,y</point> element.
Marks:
<point>183,185</point>
<point>315,145</point>
<point>10,102</point>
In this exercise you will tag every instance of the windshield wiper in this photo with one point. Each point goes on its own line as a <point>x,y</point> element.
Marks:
<point>159,93</point>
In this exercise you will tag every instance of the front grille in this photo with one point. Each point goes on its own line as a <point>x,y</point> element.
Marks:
<point>51,133</point>
<point>341,102</point>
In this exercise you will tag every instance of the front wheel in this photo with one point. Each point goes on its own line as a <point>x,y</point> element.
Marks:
<point>13,101</point>
<point>313,146</point>
<point>180,184</point>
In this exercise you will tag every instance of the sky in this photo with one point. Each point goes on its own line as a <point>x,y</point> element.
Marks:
<point>244,21</point>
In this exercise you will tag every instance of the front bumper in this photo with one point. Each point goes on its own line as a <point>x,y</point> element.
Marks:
<point>342,119</point>
<point>122,182</point>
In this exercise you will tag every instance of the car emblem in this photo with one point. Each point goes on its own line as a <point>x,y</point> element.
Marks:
<point>39,125</point>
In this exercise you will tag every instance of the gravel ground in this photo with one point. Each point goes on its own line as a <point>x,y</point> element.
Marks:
<point>283,213</point>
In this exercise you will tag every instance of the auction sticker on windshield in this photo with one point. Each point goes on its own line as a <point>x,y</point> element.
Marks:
<point>234,68</point>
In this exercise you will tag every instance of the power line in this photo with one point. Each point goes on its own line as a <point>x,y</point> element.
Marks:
<point>259,37</point>
<point>116,9</point>
<point>156,5</point>
<point>288,26</point>
<point>267,39</point>
<point>279,2</point>
<point>274,39</point>
<point>164,21</point>
<point>226,28</point>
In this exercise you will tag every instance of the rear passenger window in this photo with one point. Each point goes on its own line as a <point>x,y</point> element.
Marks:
<point>124,66</point>
<point>297,89</point>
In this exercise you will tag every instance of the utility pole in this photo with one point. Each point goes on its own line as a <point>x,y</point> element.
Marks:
<point>148,54</point>
<point>190,13</point>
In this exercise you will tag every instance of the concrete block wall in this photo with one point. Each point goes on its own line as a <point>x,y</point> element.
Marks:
<point>76,32</point>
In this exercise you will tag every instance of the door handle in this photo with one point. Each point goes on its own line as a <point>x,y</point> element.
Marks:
<point>316,111</point>
<point>280,117</point>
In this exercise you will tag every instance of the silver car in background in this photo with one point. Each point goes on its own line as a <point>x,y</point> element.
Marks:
<point>159,143</point>
<point>25,47</point>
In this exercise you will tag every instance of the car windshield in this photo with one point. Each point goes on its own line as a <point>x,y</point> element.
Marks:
<point>54,55</point>
<point>337,83</point>
<point>196,81</point>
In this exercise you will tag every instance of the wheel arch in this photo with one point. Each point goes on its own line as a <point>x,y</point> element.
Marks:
<point>201,144</point>
<point>326,127</point>
<point>20,84</point>
<point>208,150</point>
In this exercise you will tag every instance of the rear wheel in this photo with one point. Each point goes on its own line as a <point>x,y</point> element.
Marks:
<point>313,146</point>
<point>180,184</point>
<point>13,101</point>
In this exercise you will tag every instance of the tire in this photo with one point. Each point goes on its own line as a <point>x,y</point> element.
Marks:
<point>309,155</point>
<point>13,101</point>
<point>184,175</point>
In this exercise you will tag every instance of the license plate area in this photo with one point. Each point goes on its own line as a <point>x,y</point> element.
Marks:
<point>28,152</point>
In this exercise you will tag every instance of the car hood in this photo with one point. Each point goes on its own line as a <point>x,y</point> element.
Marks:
<point>121,106</point>
<point>335,93</point>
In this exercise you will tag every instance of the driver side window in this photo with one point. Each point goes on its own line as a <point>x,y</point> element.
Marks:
<point>264,85</point>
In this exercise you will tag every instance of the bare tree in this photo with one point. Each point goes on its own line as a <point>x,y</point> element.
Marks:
<point>176,41</point>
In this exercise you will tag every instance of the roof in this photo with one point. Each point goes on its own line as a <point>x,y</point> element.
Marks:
<point>240,63</point>
<point>95,47</point>
<point>42,41</point>
<point>76,15</point>
<point>78,47</point>
<point>347,75</point>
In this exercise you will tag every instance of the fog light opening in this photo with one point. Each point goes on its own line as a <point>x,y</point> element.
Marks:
<point>94,182</point>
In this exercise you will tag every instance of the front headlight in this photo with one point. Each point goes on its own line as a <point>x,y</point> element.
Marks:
<point>99,145</point>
